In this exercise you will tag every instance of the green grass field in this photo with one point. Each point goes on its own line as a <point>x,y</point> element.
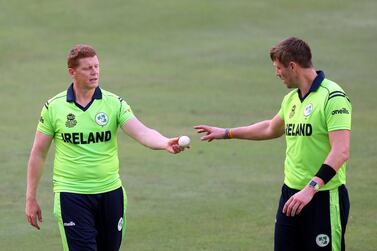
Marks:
<point>179,64</point>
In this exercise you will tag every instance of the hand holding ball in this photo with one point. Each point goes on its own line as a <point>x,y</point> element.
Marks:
<point>184,141</point>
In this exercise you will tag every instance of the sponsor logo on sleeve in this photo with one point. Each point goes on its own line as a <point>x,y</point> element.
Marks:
<point>340,111</point>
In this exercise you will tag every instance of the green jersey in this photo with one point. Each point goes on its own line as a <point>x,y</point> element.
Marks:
<point>86,156</point>
<point>308,121</point>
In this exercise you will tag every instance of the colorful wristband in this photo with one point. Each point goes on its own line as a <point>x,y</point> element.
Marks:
<point>326,173</point>
<point>228,133</point>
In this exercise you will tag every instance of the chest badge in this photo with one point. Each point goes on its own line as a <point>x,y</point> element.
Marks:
<point>308,110</point>
<point>292,113</point>
<point>102,119</point>
<point>71,120</point>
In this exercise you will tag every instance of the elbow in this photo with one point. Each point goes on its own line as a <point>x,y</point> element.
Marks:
<point>344,155</point>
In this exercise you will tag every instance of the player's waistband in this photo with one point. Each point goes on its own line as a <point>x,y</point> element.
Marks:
<point>342,187</point>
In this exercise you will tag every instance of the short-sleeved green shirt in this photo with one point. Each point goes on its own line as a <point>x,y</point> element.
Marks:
<point>308,121</point>
<point>86,156</point>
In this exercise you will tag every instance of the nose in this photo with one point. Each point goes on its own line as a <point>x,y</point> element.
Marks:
<point>94,71</point>
<point>276,71</point>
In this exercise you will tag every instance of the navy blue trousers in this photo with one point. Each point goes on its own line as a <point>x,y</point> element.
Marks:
<point>321,225</point>
<point>91,222</point>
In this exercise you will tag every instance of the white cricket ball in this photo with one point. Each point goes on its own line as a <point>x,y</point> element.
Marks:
<point>184,141</point>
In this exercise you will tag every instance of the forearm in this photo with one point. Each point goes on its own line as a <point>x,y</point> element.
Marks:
<point>34,173</point>
<point>334,161</point>
<point>258,131</point>
<point>152,139</point>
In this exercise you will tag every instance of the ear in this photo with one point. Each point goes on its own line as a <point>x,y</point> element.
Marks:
<point>71,72</point>
<point>292,65</point>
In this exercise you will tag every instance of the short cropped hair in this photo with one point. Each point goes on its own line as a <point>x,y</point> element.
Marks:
<point>77,52</point>
<point>292,49</point>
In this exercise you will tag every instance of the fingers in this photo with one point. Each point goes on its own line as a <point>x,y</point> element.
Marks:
<point>211,133</point>
<point>285,208</point>
<point>173,146</point>
<point>28,219</point>
<point>33,221</point>
<point>300,208</point>
<point>176,149</point>
<point>207,137</point>
<point>294,208</point>
<point>291,207</point>
<point>39,214</point>
<point>202,128</point>
<point>173,141</point>
<point>33,213</point>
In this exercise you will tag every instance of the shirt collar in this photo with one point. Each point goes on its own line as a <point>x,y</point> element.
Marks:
<point>71,94</point>
<point>315,85</point>
<point>317,81</point>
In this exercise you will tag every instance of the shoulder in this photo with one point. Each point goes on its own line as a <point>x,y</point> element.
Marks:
<point>111,97</point>
<point>290,95</point>
<point>58,98</point>
<point>330,86</point>
<point>332,89</point>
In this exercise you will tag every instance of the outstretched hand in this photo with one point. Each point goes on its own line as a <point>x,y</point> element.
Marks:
<point>173,146</point>
<point>211,132</point>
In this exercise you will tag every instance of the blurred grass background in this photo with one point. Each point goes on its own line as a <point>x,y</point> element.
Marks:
<point>178,64</point>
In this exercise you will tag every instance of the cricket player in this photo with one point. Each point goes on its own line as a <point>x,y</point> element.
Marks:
<point>316,120</point>
<point>90,201</point>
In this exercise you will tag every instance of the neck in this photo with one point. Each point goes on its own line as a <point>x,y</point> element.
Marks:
<point>83,96</point>
<point>305,80</point>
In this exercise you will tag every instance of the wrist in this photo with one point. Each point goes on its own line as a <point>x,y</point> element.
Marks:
<point>31,198</point>
<point>31,195</point>
<point>313,185</point>
<point>228,134</point>
<point>165,146</point>
<point>326,173</point>
<point>319,181</point>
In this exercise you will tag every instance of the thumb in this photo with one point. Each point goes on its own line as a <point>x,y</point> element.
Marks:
<point>173,140</point>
